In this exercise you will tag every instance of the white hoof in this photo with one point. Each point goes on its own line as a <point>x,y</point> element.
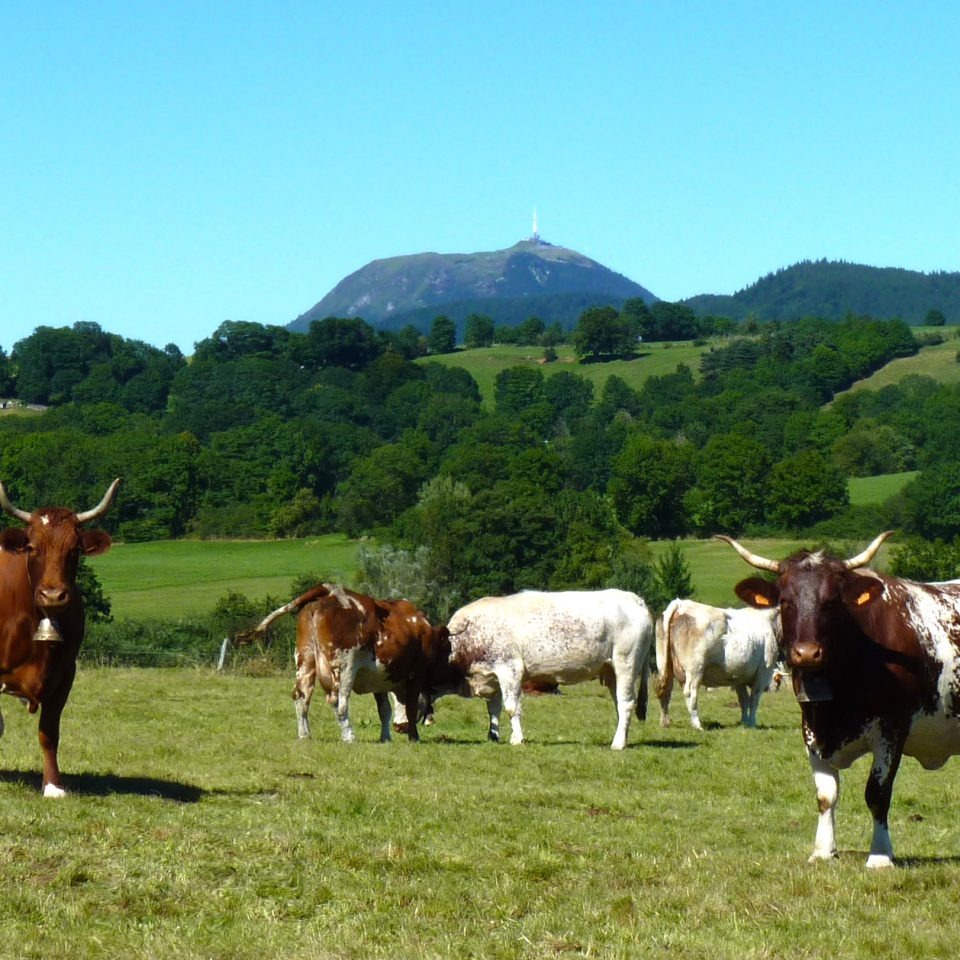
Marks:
<point>817,856</point>
<point>879,861</point>
<point>52,790</point>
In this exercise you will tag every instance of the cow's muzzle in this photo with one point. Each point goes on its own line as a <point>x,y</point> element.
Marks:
<point>52,597</point>
<point>805,655</point>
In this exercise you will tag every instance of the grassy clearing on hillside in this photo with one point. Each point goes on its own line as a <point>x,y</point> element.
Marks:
<point>181,578</point>
<point>654,360</point>
<point>939,362</point>
<point>869,490</point>
<point>197,826</point>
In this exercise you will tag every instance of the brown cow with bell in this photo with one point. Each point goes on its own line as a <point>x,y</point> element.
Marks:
<point>41,613</point>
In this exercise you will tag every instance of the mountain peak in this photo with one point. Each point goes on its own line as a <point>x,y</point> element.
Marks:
<point>531,269</point>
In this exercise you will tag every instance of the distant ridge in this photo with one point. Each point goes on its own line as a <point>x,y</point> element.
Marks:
<point>831,289</point>
<point>531,277</point>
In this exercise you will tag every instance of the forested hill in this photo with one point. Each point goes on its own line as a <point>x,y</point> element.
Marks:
<point>833,289</point>
<point>531,277</point>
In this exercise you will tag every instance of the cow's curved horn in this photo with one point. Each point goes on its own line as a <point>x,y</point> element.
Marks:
<point>862,559</point>
<point>10,508</point>
<point>754,559</point>
<point>101,507</point>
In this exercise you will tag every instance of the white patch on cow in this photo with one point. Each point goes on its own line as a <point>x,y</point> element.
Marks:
<point>827,782</point>
<point>554,638</point>
<point>51,790</point>
<point>44,519</point>
<point>935,614</point>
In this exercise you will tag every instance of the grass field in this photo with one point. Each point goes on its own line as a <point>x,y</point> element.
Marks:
<point>654,360</point>
<point>198,827</point>
<point>184,578</point>
<point>870,490</point>
<point>180,578</point>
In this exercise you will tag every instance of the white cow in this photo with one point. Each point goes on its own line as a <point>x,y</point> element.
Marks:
<point>498,643</point>
<point>716,647</point>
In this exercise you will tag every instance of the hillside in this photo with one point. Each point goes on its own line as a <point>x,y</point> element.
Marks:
<point>531,273</point>
<point>832,289</point>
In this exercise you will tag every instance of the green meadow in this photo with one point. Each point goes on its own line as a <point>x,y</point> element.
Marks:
<point>182,578</point>
<point>197,826</point>
<point>185,578</point>
<point>652,360</point>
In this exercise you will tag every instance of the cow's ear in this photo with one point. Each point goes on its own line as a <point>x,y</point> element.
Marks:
<point>859,592</point>
<point>14,539</point>
<point>95,542</point>
<point>758,593</point>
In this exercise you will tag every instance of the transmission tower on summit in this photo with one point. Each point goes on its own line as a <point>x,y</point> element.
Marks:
<point>535,235</point>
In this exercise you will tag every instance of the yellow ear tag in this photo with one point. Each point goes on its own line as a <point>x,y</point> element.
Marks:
<point>760,600</point>
<point>863,598</point>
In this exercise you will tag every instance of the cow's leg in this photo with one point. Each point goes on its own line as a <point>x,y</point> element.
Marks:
<point>664,693</point>
<point>691,693</point>
<point>827,781</point>
<point>412,699</point>
<point>386,714</point>
<point>1,725</point>
<point>620,680</point>
<point>49,734</point>
<point>494,706</point>
<point>303,689</point>
<point>879,791</point>
<point>348,673</point>
<point>399,714</point>
<point>643,689</point>
<point>747,703</point>
<point>510,678</point>
<point>753,704</point>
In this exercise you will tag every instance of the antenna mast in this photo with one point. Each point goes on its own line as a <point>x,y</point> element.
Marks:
<point>536,235</point>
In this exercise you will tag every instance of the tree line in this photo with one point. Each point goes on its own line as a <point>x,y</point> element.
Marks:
<point>271,433</point>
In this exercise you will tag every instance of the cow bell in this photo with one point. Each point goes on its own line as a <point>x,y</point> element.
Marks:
<point>811,687</point>
<point>47,632</point>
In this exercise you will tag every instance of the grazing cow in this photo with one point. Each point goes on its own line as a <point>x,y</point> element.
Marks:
<point>498,643</point>
<point>350,642</point>
<point>41,613</point>
<point>875,664</point>
<point>716,648</point>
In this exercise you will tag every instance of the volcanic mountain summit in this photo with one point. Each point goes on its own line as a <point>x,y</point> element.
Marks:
<point>531,277</point>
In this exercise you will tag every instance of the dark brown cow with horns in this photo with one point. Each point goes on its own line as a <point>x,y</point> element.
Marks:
<point>41,613</point>
<point>875,662</point>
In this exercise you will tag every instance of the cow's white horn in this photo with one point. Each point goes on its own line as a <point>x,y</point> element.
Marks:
<point>10,508</point>
<point>754,559</point>
<point>102,506</point>
<point>862,559</point>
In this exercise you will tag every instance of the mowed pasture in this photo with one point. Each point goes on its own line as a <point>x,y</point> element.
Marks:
<point>652,360</point>
<point>198,826</point>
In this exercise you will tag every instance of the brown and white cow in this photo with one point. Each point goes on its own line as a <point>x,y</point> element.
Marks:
<point>500,643</point>
<point>41,613</point>
<point>715,647</point>
<point>349,642</point>
<point>875,664</point>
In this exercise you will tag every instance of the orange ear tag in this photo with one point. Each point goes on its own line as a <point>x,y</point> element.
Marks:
<point>863,598</point>
<point>760,600</point>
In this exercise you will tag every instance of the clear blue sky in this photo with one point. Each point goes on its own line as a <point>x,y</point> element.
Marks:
<point>165,167</point>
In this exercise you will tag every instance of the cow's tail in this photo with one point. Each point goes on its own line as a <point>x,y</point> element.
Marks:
<point>664,653</point>
<point>294,606</point>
